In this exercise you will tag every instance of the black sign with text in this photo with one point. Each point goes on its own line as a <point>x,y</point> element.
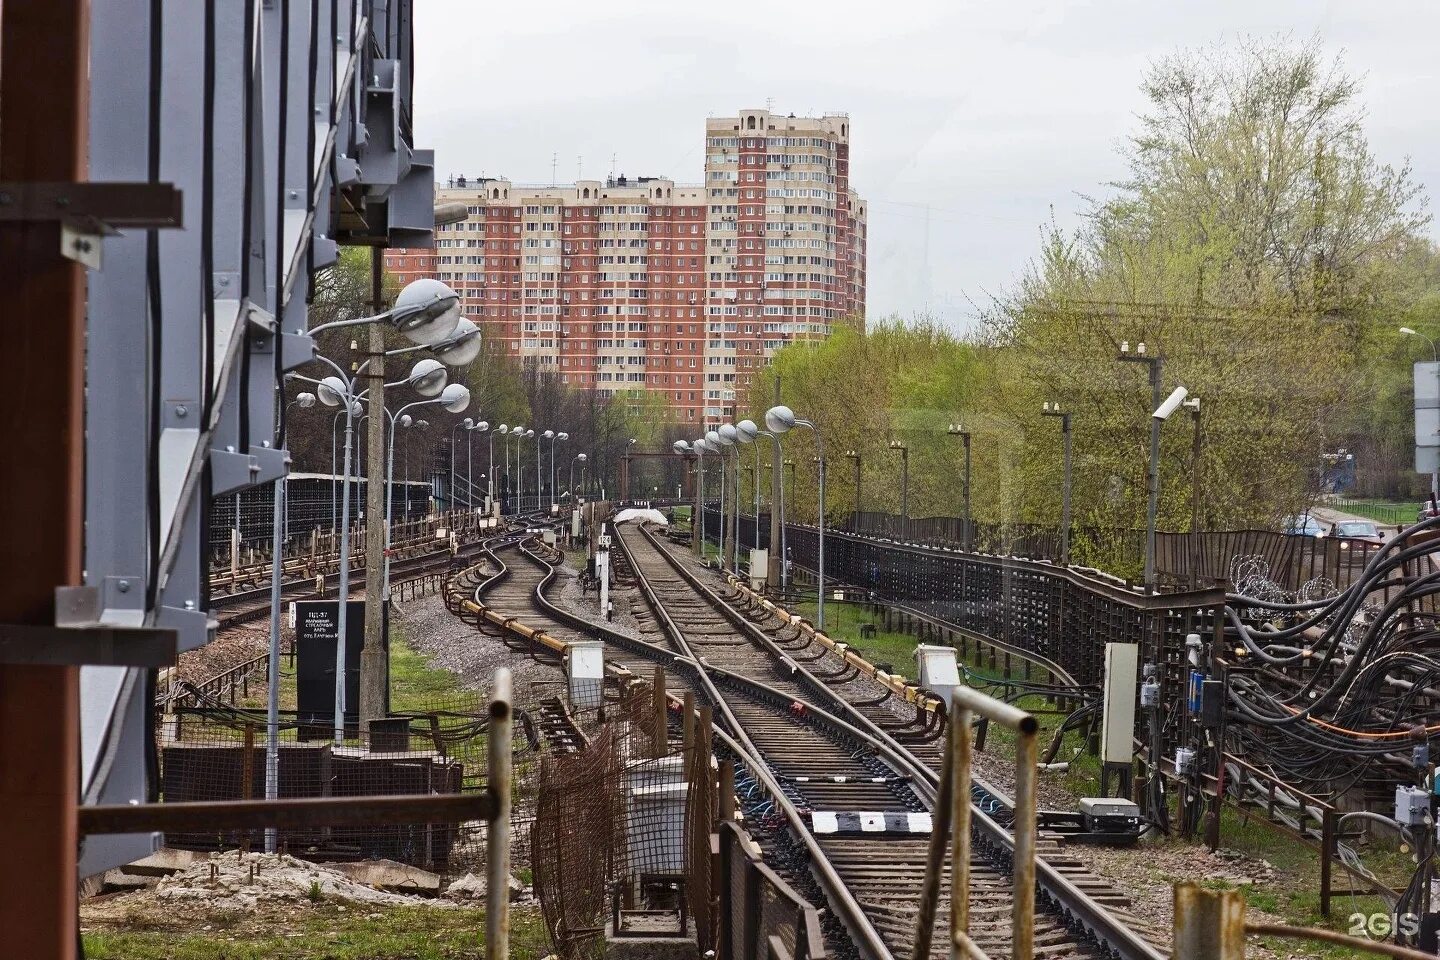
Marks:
<point>316,625</point>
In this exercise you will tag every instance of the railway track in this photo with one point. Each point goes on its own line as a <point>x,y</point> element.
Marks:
<point>845,790</point>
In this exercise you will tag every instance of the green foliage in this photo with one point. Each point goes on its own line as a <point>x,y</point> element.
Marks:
<point>1256,244</point>
<point>863,389</point>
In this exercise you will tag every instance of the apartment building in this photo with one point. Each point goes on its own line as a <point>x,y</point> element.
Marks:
<point>680,290</point>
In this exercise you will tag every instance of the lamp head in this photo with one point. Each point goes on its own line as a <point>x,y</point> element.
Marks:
<point>548,435</point>
<point>305,400</point>
<point>746,431</point>
<point>419,424</point>
<point>502,429</point>
<point>680,447</point>
<point>1408,331</point>
<point>455,398</point>
<point>405,420</point>
<point>428,377</point>
<point>461,347</point>
<point>712,440</point>
<point>517,429</point>
<point>562,435</point>
<point>780,419</point>
<point>1171,404</point>
<point>727,434</point>
<point>482,426</point>
<point>581,457</point>
<point>468,423</point>
<point>331,391</point>
<point>529,433</point>
<point>426,311</point>
<point>356,408</point>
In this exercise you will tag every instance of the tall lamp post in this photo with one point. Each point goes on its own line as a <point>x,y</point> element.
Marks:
<point>574,496</point>
<point>482,426</point>
<point>416,425</point>
<point>856,458</point>
<point>781,420</point>
<point>427,378</point>
<point>1053,410</point>
<point>1156,367</point>
<point>956,430</point>
<point>454,399</point>
<point>562,436</point>
<point>730,439</point>
<point>1161,414</point>
<point>465,424</point>
<point>713,444</point>
<point>490,471</point>
<point>904,451</point>
<point>687,451</point>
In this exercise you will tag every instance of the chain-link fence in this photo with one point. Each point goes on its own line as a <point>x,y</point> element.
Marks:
<point>215,751</point>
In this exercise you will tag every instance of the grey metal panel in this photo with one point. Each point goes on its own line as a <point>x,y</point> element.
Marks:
<point>113,734</point>
<point>411,209</point>
<point>381,156</point>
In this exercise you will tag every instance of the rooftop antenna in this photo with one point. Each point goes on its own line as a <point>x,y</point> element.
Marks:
<point>579,167</point>
<point>554,161</point>
<point>769,104</point>
<point>613,158</point>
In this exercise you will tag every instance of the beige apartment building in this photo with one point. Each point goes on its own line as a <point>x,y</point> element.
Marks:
<point>643,283</point>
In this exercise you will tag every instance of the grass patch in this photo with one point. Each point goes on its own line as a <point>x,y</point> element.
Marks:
<point>1382,511</point>
<point>359,932</point>
<point>415,686</point>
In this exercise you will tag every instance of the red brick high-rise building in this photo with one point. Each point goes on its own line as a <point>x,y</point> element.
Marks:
<point>645,284</point>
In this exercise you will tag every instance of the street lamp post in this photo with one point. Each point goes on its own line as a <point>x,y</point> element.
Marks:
<point>454,399</point>
<point>562,435</point>
<point>712,443</point>
<point>482,426</point>
<point>855,458</point>
<point>1161,414</point>
<point>956,430</point>
<point>574,498</point>
<point>418,425</point>
<point>490,471</point>
<point>781,419</point>
<point>427,378</point>
<point>730,439</point>
<point>747,432</point>
<point>904,452</point>
<point>1156,367</point>
<point>465,424</point>
<point>1053,410</point>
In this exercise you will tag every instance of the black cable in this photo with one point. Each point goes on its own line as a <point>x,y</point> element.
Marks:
<point>247,106</point>
<point>207,217</point>
<point>280,259</point>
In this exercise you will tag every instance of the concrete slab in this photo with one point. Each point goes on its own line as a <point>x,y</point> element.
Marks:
<point>164,862</point>
<point>671,947</point>
<point>389,875</point>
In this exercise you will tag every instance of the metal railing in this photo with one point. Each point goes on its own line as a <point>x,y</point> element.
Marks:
<point>954,820</point>
<point>761,916</point>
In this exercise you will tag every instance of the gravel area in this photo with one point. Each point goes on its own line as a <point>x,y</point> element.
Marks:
<point>230,648</point>
<point>454,645</point>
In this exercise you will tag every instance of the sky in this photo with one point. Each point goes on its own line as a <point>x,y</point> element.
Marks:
<point>986,119</point>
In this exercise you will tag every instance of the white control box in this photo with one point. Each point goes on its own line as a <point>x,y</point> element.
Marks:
<point>937,669</point>
<point>1117,724</point>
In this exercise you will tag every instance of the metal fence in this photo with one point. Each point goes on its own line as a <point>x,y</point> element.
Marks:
<point>215,751</point>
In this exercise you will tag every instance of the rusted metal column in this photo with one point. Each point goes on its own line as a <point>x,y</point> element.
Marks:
<point>960,719</point>
<point>497,842</point>
<point>1209,924</point>
<point>1025,814</point>
<point>661,728</point>
<point>43,119</point>
<point>727,790</point>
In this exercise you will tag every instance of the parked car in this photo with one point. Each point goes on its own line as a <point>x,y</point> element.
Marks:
<point>1306,526</point>
<point>1366,531</point>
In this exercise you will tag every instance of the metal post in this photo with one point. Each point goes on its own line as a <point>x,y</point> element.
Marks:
<point>722,510</point>
<point>272,686</point>
<point>1025,813</point>
<point>756,448</point>
<point>490,476</point>
<point>42,138</point>
<point>969,521</point>
<point>1153,506</point>
<point>661,728</point>
<point>1064,495</point>
<point>820,573</point>
<point>1209,924</point>
<point>697,520</point>
<point>469,469</point>
<point>373,665</point>
<point>774,579</point>
<point>959,729</point>
<point>735,510</point>
<point>343,593</point>
<point>497,836</point>
<point>905,492</point>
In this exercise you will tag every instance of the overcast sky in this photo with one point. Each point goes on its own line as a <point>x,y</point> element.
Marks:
<point>992,114</point>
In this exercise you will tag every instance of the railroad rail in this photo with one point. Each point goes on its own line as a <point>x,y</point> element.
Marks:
<point>816,758</point>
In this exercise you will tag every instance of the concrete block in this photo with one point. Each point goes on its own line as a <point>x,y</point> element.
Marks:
<point>389,875</point>
<point>647,947</point>
<point>164,862</point>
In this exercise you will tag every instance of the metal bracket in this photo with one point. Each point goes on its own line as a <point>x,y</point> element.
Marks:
<point>88,212</point>
<point>78,638</point>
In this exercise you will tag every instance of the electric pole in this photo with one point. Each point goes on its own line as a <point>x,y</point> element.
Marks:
<point>374,667</point>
